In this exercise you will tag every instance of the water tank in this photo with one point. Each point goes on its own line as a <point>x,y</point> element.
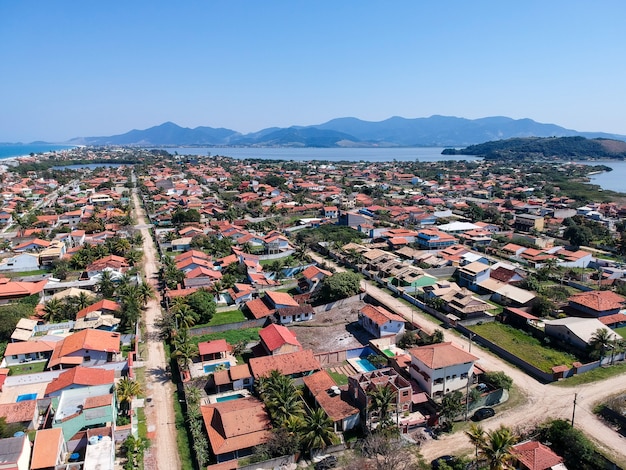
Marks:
<point>93,440</point>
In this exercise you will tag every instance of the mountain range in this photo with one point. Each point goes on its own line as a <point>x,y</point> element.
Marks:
<point>434,131</point>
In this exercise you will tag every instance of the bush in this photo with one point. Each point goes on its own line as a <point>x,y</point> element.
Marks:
<point>499,380</point>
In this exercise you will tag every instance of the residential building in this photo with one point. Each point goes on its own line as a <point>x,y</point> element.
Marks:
<point>49,449</point>
<point>277,339</point>
<point>533,455</point>
<point>15,453</point>
<point>576,331</point>
<point>295,364</point>
<point>236,427</point>
<point>380,322</point>
<point>597,303</point>
<point>441,368</point>
<point>327,395</point>
<point>360,385</point>
<point>471,275</point>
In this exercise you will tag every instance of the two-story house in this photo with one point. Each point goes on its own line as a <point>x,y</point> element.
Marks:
<point>441,368</point>
<point>380,322</point>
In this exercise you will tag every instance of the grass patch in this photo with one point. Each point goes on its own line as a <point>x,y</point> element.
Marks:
<point>248,335</point>
<point>339,379</point>
<point>182,438</point>
<point>621,331</point>
<point>142,425</point>
<point>524,346</point>
<point>28,368</point>
<point>224,318</point>
<point>594,375</point>
<point>13,275</point>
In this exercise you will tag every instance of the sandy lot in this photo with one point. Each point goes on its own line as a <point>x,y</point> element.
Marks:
<point>334,330</point>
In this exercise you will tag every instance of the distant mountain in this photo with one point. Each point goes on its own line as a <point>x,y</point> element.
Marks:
<point>434,131</point>
<point>570,148</point>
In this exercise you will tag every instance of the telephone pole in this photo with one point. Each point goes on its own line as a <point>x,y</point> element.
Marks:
<point>574,409</point>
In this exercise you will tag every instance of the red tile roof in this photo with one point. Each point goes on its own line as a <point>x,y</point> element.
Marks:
<point>380,315</point>
<point>281,298</point>
<point>20,412</point>
<point>214,347</point>
<point>436,356</point>
<point>102,305</point>
<point>259,309</point>
<point>287,364</point>
<point>46,448</point>
<point>275,336</point>
<point>335,407</point>
<point>236,424</point>
<point>535,456</point>
<point>600,301</point>
<point>98,402</point>
<point>84,376</point>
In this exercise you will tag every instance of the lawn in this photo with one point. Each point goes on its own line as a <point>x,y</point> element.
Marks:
<point>524,346</point>
<point>224,318</point>
<point>621,331</point>
<point>339,379</point>
<point>28,368</point>
<point>249,335</point>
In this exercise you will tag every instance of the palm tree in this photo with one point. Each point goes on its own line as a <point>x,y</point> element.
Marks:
<point>476,436</point>
<point>600,341</point>
<point>146,293</point>
<point>127,389</point>
<point>617,346</point>
<point>185,316</point>
<point>496,448</point>
<point>380,400</point>
<point>285,403</point>
<point>52,310</point>
<point>133,257</point>
<point>185,350</point>
<point>106,285</point>
<point>318,430</point>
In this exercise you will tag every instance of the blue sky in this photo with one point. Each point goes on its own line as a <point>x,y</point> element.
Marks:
<point>80,68</point>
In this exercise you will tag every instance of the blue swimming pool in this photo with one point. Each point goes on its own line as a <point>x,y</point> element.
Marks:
<point>365,364</point>
<point>27,396</point>
<point>230,397</point>
<point>210,368</point>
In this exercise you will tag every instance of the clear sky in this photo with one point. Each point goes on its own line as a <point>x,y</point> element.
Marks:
<point>86,68</point>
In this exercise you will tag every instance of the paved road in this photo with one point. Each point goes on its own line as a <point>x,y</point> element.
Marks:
<point>163,453</point>
<point>541,401</point>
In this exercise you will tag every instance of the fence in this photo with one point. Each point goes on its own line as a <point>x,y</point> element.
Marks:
<point>279,462</point>
<point>205,330</point>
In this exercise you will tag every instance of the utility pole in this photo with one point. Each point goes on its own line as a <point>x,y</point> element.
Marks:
<point>574,409</point>
<point>469,376</point>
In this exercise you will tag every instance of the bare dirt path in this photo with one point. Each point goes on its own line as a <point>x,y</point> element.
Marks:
<point>541,401</point>
<point>163,452</point>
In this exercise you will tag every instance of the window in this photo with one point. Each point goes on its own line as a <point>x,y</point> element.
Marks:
<point>14,356</point>
<point>464,376</point>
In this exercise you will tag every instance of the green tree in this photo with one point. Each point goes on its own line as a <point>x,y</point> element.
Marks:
<point>340,285</point>
<point>53,309</point>
<point>600,342</point>
<point>380,401</point>
<point>476,435</point>
<point>203,304</point>
<point>496,448</point>
<point>499,380</point>
<point>451,405</point>
<point>542,307</point>
<point>105,285</point>
<point>127,389</point>
<point>318,430</point>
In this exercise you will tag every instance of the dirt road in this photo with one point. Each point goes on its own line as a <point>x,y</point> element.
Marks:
<point>163,452</point>
<point>541,401</point>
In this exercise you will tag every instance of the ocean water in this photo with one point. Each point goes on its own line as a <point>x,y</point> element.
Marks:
<point>422,154</point>
<point>20,150</point>
<point>613,180</point>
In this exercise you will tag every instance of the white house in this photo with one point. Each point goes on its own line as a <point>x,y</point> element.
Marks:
<point>380,322</point>
<point>21,263</point>
<point>441,368</point>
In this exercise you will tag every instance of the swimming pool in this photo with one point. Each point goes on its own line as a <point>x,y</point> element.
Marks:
<point>210,368</point>
<point>26,397</point>
<point>366,366</point>
<point>230,397</point>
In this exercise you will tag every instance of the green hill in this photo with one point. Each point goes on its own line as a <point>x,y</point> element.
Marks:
<point>546,148</point>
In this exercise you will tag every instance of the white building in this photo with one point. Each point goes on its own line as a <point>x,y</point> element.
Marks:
<point>441,368</point>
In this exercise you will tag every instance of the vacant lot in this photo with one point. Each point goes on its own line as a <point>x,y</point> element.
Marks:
<point>334,330</point>
<point>524,346</point>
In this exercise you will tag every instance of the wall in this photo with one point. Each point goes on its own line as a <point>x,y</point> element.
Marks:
<point>278,462</point>
<point>340,303</point>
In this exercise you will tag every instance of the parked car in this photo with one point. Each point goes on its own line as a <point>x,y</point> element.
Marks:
<point>482,388</point>
<point>326,463</point>
<point>447,459</point>
<point>484,413</point>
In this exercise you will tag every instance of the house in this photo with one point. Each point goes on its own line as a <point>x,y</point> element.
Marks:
<point>258,308</point>
<point>27,351</point>
<point>52,253</point>
<point>278,300</point>
<point>295,314</point>
<point>79,377</point>
<point>326,395</point>
<point>597,303</point>
<point>15,290</point>
<point>533,455</point>
<point>15,453</point>
<point>471,275</point>
<point>23,414</point>
<point>311,278</point>
<point>380,322</point>
<point>32,245</point>
<point>86,407</point>
<point>236,377</point>
<point>181,244</point>
<point>87,347</point>
<point>528,222</point>
<point>331,212</point>
<point>361,384</point>
<point>213,350</point>
<point>100,451</point>
<point>115,263</point>
<point>432,239</point>
<point>20,263</point>
<point>104,306</point>
<point>441,368</point>
<point>277,339</point>
<point>576,331</point>
<point>49,449</point>
<point>295,364</point>
<point>236,427</point>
